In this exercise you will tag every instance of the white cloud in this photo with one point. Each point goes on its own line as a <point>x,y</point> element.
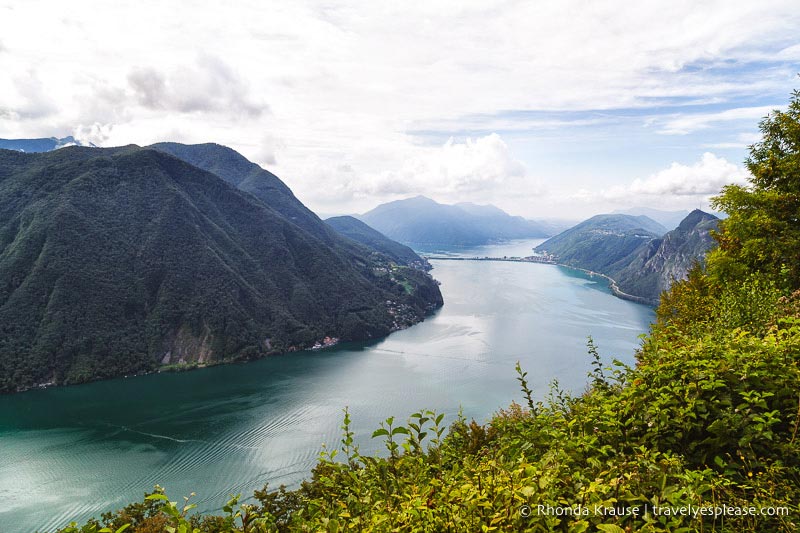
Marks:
<point>704,177</point>
<point>790,53</point>
<point>209,85</point>
<point>326,93</point>
<point>475,165</point>
<point>680,185</point>
<point>681,125</point>
<point>454,171</point>
<point>29,100</point>
<point>93,134</point>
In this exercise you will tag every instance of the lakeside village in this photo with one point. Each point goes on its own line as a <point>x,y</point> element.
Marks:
<point>544,258</point>
<point>327,342</point>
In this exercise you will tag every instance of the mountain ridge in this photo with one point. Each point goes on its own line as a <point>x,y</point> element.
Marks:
<point>602,241</point>
<point>640,262</point>
<point>654,267</point>
<point>38,145</point>
<point>668,219</point>
<point>117,261</point>
<point>360,232</point>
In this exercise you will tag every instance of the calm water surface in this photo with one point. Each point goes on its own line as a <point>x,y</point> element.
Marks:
<point>71,453</point>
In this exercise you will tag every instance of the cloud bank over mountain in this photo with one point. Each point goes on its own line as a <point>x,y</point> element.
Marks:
<point>525,105</point>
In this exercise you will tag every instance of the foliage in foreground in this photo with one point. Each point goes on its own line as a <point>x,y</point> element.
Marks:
<point>707,421</point>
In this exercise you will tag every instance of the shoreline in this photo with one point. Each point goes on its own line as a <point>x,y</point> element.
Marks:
<point>615,290</point>
<point>188,366</point>
<point>612,283</point>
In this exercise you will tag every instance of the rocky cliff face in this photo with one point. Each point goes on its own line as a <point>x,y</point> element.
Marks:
<point>642,260</point>
<point>654,267</point>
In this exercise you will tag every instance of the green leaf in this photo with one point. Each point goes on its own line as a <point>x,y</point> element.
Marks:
<point>610,528</point>
<point>379,432</point>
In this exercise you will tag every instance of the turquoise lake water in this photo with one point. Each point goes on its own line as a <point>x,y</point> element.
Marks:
<point>71,453</point>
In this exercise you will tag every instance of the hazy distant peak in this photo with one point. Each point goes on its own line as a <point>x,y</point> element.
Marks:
<point>420,199</point>
<point>480,209</point>
<point>420,220</point>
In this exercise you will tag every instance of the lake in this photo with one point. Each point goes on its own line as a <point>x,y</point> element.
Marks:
<point>73,452</point>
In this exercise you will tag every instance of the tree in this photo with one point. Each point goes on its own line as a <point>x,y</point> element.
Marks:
<point>762,231</point>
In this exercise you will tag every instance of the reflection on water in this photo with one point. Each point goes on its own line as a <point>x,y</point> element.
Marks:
<point>70,453</point>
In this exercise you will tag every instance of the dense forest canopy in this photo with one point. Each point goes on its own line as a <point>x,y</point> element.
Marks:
<point>124,260</point>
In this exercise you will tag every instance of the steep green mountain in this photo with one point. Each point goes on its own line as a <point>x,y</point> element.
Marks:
<point>116,261</point>
<point>420,220</point>
<point>38,145</point>
<point>354,229</point>
<point>358,247</point>
<point>641,263</point>
<point>602,242</point>
<point>654,267</point>
<point>247,176</point>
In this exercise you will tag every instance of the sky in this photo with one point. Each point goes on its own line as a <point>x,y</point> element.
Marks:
<point>547,109</point>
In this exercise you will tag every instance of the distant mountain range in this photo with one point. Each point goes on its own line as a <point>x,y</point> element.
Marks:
<point>39,145</point>
<point>635,251</point>
<point>422,221</point>
<point>121,260</point>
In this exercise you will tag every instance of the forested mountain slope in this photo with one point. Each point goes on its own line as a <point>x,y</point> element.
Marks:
<point>629,250</point>
<point>115,261</point>
<point>601,242</point>
<point>358,231</point>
